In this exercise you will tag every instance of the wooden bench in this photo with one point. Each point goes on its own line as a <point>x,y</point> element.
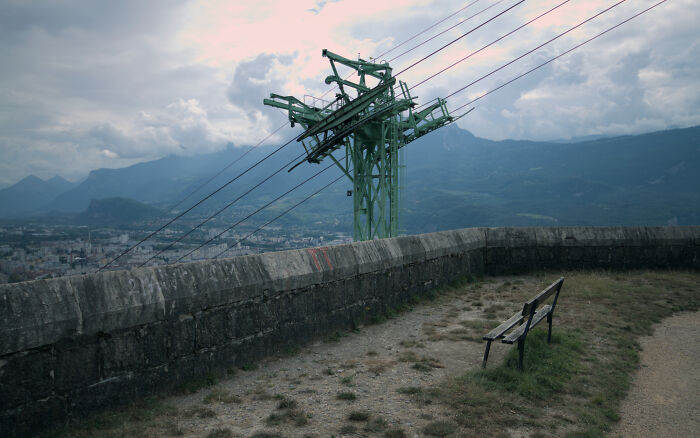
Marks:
<point>528,318</point>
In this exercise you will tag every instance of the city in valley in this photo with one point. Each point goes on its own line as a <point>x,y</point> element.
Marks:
<point>36,251</point>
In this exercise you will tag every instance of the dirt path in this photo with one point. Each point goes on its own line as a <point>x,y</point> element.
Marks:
<point>376,381</point>
<point>380,365</point>
<point>665,397</point>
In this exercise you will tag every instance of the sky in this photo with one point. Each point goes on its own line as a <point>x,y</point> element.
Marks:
<point>90,84</point>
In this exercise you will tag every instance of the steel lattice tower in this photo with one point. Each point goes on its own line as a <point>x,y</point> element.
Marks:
<point>372,126</point>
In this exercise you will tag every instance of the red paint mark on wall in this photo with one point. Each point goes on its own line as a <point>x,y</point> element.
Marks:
<point>312,251</point>
<point>324,250</point>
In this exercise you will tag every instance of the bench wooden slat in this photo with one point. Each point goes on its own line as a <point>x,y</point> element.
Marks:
<point>542,296</point>
<point>498,331</point>
<point>517,333</point>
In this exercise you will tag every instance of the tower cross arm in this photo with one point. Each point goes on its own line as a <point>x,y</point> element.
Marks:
<point>298,111</point>
<point>425,121</point>
<point>380,71</point>
<point>334,78</point>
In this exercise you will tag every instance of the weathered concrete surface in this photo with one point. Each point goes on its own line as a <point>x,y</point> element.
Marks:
<point>72,345</point>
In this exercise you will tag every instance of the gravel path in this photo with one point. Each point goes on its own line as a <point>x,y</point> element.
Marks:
<point>378,366</point>
<point>665,397</point>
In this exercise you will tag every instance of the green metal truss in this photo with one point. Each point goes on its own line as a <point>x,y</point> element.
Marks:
<point>372,127</point>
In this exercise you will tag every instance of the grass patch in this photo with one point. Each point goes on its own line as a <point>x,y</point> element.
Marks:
<point>375,424</point>
<point>425,364</point>
<point>194,384</point>
<point>547,367</point>
<point>294,416</point>
<point>266,434</point>
<point>134,419</point>
<point>347,396</point>
<point>336,336</point>
<point>220,433</point>
<point>248,366</point>
<point>348,429</point>
<point>411,343</point>
<point>287,403</point>
<point>395,433</point>
<point>378,366</point>
<point>221,396</point>
<point>409,390</point>
<point>358,416</point>
<point>440,428</point>
<point>573,386</point>
<point>200,412</point>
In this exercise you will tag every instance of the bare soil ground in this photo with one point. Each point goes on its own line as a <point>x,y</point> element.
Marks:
<point>380,365</point>
<point>394,378</point>
<point>665,398</point>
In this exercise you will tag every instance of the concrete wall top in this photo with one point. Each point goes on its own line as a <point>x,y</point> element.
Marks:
<point>586,236</point>
<point>37,313</point>
<point>40,312</point>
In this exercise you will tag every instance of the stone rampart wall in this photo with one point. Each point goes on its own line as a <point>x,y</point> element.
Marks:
<point>72,345</point>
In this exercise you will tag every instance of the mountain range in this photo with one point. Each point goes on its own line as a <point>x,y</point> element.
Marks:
<point>31,195</point>
<point>454,180</point>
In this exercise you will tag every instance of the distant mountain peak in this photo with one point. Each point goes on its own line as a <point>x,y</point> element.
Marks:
<point>115,211</point>
<point>58,179</point>
<point>30,179</point>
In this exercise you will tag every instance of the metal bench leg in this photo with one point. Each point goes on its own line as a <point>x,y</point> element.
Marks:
<point>486,354</point>
<point>521,352</point>
<point>549,321</point>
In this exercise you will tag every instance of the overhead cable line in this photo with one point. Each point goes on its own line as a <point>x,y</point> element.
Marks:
<point>408,40</point>
<point>446,30</point>
<point>354,125</point>
<point>459,38</point>
<point>426,29</point>
<point>221,210</point>
<point>249,150</point>
<point>536,48</point>
<point>524,54</point>
<point>468,103</point>
<point>227,167</point>
<point>257,211</point>
<point>195,205</point>
<point>559,56</point>
<point>282,214</point>
<point>462,106</point>
<point>488,45</point>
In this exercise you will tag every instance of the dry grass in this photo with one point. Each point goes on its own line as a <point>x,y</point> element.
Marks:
<point>573,386</point>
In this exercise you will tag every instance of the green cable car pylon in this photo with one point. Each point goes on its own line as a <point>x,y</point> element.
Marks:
<point>372,126</point>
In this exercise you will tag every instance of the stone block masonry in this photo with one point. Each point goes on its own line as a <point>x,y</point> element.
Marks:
<point>74,345</point>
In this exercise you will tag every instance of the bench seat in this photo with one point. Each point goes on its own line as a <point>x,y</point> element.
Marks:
<point>516,334</point>
<point>498,331</point>
<point>533,313</point>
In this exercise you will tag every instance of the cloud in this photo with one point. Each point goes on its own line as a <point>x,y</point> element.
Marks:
<point>254,80</point>
<point>108,84</point>
<point>109,154</point>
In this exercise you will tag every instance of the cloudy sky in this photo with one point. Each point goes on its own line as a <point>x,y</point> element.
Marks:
<point>89,84</point>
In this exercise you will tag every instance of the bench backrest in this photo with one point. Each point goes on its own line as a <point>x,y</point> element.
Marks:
<point>531,306</point>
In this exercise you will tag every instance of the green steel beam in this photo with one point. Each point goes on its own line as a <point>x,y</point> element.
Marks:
<point>373,126</point>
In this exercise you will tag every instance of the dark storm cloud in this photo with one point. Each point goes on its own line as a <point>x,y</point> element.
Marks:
<point>122,18</point>
<point>640,77</point>
<point>104,80</point>
<point>254,80</point>
<point>86,84</point>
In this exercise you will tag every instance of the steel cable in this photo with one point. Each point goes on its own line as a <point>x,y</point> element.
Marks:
<point>257,211</point>
<point>559,56</point>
